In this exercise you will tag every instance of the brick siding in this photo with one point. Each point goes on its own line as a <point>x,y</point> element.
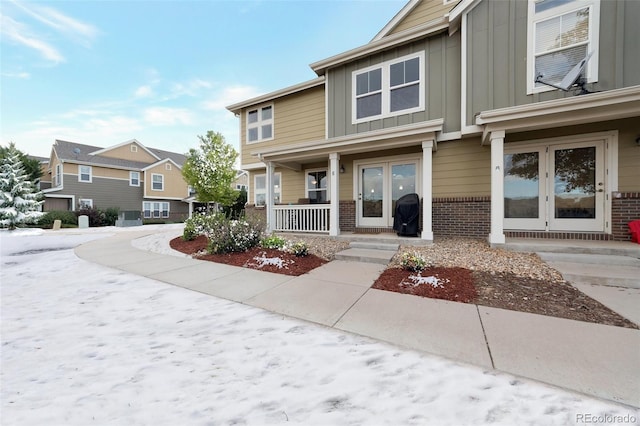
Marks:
<point>347,215</point>
<point>462,216</point>
<point>625,207</point>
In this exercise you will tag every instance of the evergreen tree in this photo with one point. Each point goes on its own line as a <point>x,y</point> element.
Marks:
<point>19,203</point>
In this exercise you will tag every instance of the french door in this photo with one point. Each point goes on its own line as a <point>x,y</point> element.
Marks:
<point>379,186</point>
<point>559,187</point>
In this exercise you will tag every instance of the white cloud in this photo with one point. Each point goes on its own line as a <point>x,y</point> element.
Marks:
<point>165,116</point>
<point>79,31</point>
<point>20,34</point>
<point>144,92</point>
<point>229,96</point>
<point>22,75</point>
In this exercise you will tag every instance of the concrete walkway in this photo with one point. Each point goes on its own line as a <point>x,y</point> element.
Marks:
<point>594,359</point>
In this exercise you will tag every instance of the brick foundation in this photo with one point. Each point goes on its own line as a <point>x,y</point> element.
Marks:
<point>462,216</point>
<point>625,207</point>
<point>347,215</point>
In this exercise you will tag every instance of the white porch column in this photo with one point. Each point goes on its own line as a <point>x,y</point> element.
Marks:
<point>269,198</point>
<point>190,208</point>
<point>497,188</point>
<point>334,210</point>
<point>427,190</point>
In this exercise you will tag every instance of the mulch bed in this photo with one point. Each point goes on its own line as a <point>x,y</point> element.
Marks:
<point>255,258</point>
<point>497,290</point>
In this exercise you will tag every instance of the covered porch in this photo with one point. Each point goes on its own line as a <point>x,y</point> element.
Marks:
<point>343,197</point>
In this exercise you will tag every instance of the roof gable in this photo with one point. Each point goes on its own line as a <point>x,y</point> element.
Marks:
<point>415,13</point>
<point>125,151</point>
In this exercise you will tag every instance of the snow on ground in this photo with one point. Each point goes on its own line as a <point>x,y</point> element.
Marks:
<point>86,344</point>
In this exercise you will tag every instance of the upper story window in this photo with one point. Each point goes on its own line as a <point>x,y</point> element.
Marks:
<point>260,124</point>
<point>84,174</point>
<point>134,178</point>
<point>157,182</point>
<point>392,88</point>
<point>57,178</point>
<point>560,34</point>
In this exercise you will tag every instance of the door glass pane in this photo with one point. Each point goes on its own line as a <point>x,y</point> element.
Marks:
<point>372,184</point>
<point>521,185</point>
<point>403,182</point>
<point>575,183</point>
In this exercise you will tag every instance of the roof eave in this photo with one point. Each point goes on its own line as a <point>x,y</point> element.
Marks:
<point>429,28</point>
<point>235,108</point>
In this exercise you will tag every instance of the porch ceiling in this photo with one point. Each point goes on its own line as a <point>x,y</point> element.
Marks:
<point>292,155</point>
<point>603,106</point>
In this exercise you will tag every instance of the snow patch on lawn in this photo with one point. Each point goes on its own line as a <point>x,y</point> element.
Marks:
<point>271,261</point>
<point>431,280</point>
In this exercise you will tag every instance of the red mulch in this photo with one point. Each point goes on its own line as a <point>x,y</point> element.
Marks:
<point>291,264</point>
<point>457,283</point>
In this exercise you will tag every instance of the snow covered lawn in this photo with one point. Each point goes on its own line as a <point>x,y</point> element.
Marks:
<point>84,344</point>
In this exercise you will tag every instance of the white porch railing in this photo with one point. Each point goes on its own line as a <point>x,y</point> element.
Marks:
<point>301,218</point>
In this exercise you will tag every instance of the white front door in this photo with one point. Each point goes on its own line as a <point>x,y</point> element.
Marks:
<point>555,187</point>
<point>380,185</point>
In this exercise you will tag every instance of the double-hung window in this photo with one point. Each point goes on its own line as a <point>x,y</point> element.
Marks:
<point>316,186</point>
<point>391,88</point>
<point>260,189</point>
<point>260,124</point>
<point>155,209</point>
<point>561,33</point>
<point>84,174</point>
<point>134,178</point>
<point>157,182</point>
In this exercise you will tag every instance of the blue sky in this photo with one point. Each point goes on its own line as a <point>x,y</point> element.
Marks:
<point>103,72</point>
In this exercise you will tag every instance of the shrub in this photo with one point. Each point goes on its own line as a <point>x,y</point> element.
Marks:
<point>96,216</point>
<point>413,262</point>
<point>110,216</point>
<point>298,248</point>
<point>232,235</point>
<point>273,242</point>
<point>66,217</point>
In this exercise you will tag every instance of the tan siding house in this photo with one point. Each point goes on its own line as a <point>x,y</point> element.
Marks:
<point>502,124</point>
<point>121,176</point>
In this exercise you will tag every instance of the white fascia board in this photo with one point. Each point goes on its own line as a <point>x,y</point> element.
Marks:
<point>253,166</point>
<point>235,108</point>
<point>460,8</point>
<point>130,141</point>
<point>157,163</point>
<point>429,28</point>
<point>352,143</point>
<point>628,95</point>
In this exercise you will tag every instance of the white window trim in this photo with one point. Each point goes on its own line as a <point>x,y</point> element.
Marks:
<point>134,148</point>
<point>152,182</point>
<point>87,201</point>
<point>80,174</point>
<point>131,179</point>
<point>276,190</point>
<point>167,166</point>
<point>306,182</point>
<point>594,38</point>
<point>58,176</point>
<point>163,213</point>
<point>386,89</point>
<point>258,124</point>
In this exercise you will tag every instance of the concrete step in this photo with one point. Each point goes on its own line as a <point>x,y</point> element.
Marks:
<point>611,275</point>
<point>590,259</point>
<point>615,248</point>
<point>382,257</point>
<point>374,245</point>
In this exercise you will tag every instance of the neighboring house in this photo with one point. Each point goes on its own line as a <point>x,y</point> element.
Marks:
<point>444,102</point>
<point>241,181</point>
<point>129,176</point>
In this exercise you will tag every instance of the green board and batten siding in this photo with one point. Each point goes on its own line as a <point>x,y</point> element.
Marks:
<point>442,91</point>
<point>497,54</point>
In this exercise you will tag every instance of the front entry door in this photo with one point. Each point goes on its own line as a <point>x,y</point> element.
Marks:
<point>576,198</point>
<point>559,187</point>
<point>371,197</point>
<point>380,185</point>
